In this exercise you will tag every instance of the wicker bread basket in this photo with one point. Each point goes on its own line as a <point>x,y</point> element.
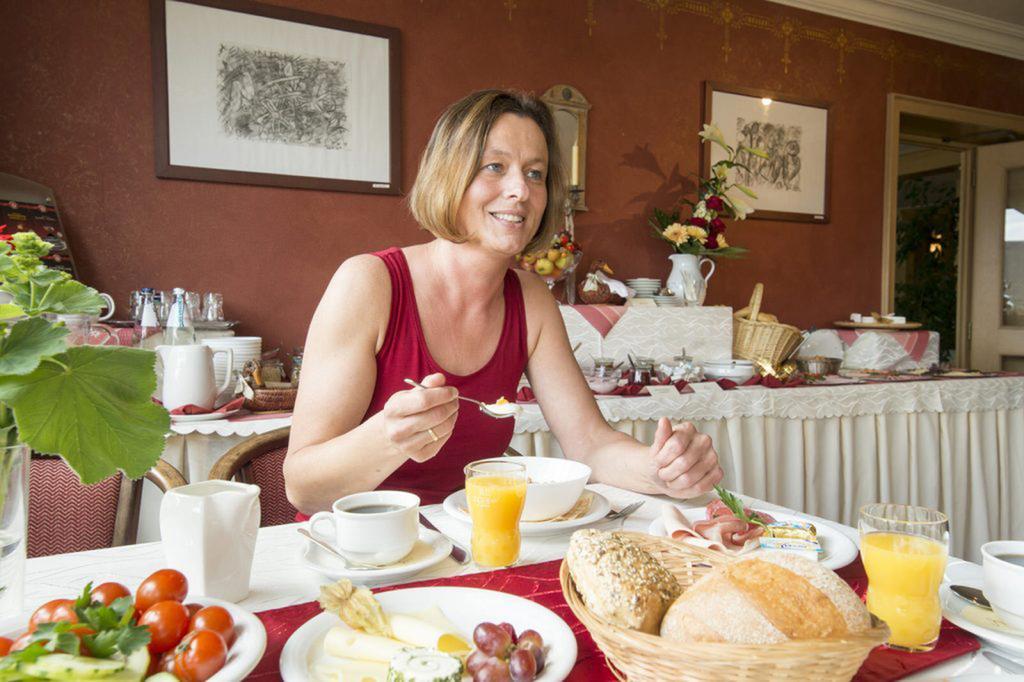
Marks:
<point>753,339</point>
<point>639,656</point>
<point>271,399</point>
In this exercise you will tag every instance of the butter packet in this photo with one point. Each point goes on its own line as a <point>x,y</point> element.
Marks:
<point>806,548</point>
<point>795,530</point>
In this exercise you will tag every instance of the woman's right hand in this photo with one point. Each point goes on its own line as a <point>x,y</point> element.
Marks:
<point>418,422</point>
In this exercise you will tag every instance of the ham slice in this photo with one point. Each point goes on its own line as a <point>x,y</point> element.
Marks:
<point>721,531</point>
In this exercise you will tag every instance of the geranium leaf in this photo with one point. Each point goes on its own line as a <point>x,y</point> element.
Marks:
<point>9,310</point>
<point>92,405</point>
<point>28,343</point>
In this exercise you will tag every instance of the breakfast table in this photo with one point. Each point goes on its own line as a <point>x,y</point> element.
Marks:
<point>280,578</point>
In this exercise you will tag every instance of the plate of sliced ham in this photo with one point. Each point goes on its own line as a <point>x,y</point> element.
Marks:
<point>717,528</point>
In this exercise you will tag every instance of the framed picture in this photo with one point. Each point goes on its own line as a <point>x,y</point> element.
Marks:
<point>792,183</point>
<point>263,95</point>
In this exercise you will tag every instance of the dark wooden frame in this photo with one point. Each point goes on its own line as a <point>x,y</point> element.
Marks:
<point>711,87</point>
<point>164,169</point>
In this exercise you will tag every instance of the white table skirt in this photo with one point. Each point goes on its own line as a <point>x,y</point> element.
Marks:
<point>969,464</point>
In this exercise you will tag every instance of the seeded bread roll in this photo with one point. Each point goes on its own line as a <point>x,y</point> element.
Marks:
<point>767,598</point>
<point>619,580</point>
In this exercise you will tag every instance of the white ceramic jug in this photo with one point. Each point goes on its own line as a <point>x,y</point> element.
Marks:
<point>188,377</point>
<point>686,280</point>
<point>208,531</point>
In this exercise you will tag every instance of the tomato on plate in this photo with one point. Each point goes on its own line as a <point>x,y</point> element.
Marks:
<point>164,585</point>
<point>215,618</point>
<point>20,642</point>
<point>193,609</point>
<point>53,611</point>
<point>199,656</point>
<point>5,646</point>
<point>106,593</point>
<point>167,622</point>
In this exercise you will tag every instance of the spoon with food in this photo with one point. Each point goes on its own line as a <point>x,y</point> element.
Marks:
<point>501,409</point>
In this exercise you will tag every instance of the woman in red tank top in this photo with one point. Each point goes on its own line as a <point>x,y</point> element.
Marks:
<point>451,314</point>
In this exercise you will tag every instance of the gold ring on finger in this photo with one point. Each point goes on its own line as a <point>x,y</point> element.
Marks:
<point>433,435</point>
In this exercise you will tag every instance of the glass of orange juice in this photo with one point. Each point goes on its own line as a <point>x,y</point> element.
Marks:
<point>904,551</point>
<point>495,491</point>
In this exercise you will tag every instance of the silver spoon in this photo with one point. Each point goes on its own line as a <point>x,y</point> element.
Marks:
<point>483,406</point>
<point>352,565</point>
<point>971,594</point>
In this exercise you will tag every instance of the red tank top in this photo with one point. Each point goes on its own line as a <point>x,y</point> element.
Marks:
<point>405,354</point>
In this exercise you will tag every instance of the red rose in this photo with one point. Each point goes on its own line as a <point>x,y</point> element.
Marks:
<point>717,226</point>
<point>714,203</point>
<point>698,222</point>
<point>712,242</point>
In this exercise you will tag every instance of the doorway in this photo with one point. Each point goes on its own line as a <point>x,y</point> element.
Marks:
<point>928,268</point>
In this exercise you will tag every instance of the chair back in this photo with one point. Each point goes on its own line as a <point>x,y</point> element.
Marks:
<point>66,516</point>
<point>260,460</point>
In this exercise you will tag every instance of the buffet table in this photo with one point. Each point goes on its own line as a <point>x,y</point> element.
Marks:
<point>279,577</point>
<point>951,444</point>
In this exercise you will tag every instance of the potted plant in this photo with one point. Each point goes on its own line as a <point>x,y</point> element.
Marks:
<point>91,405</point>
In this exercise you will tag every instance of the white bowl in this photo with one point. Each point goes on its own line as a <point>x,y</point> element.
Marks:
<point>734,370</point>
<point>1004,582</point>
<point>555,485</point>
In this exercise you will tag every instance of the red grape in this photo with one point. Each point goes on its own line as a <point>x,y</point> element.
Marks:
<point>532,642</point>
<point>475,661</point>
<point>492,640</point>
<point>494,670</point>
<point>523,666</point>
<point>507,627</point>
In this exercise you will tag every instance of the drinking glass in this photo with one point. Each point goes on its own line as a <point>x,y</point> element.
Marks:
<point>213,307</point>
<point>496,492</point>
<point>904,550</point>
<point>194,303</point>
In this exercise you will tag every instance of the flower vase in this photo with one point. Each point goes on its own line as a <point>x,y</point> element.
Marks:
<point>14,463</point>
<point>686,280</point>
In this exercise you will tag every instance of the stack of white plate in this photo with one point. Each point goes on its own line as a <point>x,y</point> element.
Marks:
<point>667,300</point>
<point>645,287</point>
<point>244,348</point>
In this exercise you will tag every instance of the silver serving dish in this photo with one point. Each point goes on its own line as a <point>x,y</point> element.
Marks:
<point>209,325</point>
<point>819,365</point>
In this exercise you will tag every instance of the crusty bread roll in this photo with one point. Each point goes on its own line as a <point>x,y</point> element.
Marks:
<point>620,581</point>
<point>767,598</point>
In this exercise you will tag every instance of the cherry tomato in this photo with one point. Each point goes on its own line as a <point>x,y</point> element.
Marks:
<point>53,611</point>
<point>193,609</point>
<point>164,585</point>
<point>5,646</point>
<point>167,622</point>
<point>215,618</point>
<point>199,656</point>
<point>106,593</point>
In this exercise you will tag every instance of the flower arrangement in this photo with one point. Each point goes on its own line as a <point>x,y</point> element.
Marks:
<point>703,233</point>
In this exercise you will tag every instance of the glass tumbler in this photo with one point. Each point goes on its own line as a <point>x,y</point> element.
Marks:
<point>904,550</point>
<point>496,492</point>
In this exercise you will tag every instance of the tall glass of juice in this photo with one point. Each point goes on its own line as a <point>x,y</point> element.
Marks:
<point>495,491</point>
<point>904,550</point>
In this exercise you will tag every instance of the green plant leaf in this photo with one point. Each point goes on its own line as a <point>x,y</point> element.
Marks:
<point>28,343</point>
<point>9,311</point>
<point>91,405</point>
<point>44,293</point>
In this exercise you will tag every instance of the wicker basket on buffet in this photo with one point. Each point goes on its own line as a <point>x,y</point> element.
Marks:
<point>271,399</point>
<point>757,336</point>
<point>639,656</point>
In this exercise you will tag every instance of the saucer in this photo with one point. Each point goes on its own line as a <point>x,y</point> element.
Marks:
<point>207,416</point>
<point>455,506</point>
<point>980,622</point>
<point>431,548</point>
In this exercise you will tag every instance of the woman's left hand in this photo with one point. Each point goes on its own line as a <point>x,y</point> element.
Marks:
<point>684,462</point>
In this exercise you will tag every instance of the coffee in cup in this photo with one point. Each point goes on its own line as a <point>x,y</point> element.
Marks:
<point>1003,570</point>
<point>378,527</point>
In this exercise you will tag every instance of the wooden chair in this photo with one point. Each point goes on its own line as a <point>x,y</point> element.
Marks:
<point>66,516</point>
<point>260,460</point>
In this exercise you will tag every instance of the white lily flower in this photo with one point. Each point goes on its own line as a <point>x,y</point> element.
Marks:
<point>739,207</point>
<point>712,133</point>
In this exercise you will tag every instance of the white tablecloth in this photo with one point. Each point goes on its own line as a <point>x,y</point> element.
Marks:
<point>279,578</point>
<point>954,445</point>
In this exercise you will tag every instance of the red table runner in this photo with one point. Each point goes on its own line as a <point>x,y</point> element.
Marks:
<point>539,583</point>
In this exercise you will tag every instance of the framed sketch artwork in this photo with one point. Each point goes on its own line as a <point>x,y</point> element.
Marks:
<point>792,183</point>
<point>265,95</point>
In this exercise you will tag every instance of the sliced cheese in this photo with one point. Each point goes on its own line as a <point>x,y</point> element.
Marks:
<point>347,670</point>
<point>348,643</point>
<point>422,632</point>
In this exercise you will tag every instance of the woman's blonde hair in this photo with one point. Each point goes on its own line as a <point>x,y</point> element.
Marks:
<point>452,158</point>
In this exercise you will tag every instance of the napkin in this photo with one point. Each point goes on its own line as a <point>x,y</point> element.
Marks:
<point>679,528</point>
<point>229,406</point>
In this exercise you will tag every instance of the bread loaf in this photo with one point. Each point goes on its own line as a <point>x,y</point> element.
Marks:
<point>620,581</point>
<point>764,599</point>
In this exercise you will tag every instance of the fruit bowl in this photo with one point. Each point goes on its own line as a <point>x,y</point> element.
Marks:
<point>558,274</point>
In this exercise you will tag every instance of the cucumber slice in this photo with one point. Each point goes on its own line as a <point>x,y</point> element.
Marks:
<point>162,677</point>
<point>68,667</point>
<point>138,662</point>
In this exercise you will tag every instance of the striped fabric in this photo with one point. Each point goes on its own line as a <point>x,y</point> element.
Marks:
<point>66,516</point>
<point>601,317</point>
<point>267,471</point>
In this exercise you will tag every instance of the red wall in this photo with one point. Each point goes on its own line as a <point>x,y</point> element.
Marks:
<point>76,114</point>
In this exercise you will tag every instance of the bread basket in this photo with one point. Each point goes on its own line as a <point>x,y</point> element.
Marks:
<point>271,399</point>
<point>753,339</point>
<point>639,656</point>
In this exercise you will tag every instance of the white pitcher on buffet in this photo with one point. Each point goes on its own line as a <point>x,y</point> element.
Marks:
<point>686,280</point>
<point>188,377</point>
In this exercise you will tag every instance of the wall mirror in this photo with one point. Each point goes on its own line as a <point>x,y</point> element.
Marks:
<point>569,108</point>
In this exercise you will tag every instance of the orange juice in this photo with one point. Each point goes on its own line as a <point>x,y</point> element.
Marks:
<point>495,503</point>
<point>904,573</point>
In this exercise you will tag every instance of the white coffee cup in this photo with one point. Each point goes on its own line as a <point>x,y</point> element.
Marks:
<point>378,527</point>
<point>1004,581</point>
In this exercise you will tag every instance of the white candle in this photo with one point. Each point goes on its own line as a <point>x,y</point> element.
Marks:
<point>575,164</point>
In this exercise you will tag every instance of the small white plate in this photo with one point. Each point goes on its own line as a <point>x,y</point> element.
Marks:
<point>455,506</point>
<point>431,548</point>
<point>208,416</point>
<point>245,652</point>
<point>838,550</point>
<point>973,618</point>
<point>465,607</point>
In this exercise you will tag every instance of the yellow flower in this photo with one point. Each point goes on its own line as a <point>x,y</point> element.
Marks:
<point>675,233</point>
<point>698,233</point>
<point>721,242</point>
